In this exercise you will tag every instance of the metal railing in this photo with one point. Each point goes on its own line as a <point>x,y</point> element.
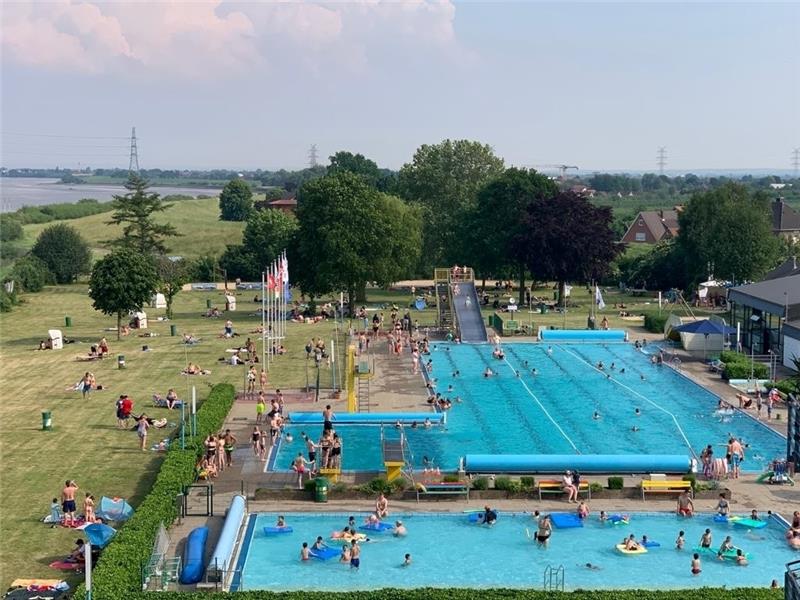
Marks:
<point>553,578</point>
<point>791,585</point>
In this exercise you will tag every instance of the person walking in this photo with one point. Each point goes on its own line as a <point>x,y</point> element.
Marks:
<point>141,430</point>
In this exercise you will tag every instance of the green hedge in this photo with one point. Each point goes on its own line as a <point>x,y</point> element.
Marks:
<point>738,366</point>
<point>655,323</point>
<point>117,574</point>
<point>469,594</point>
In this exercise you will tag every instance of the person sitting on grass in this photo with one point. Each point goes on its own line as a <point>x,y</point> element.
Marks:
<point>78,554</point>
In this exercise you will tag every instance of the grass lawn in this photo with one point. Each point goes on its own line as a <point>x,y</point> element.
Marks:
<point>197,220</point>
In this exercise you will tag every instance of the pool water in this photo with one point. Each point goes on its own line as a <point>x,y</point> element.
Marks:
<point>551,412</point>
<point>449,551</point>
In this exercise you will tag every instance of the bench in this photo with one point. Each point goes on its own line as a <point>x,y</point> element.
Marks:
<point>665,486</point>
<point>455,488</point>
<point>553,486</point>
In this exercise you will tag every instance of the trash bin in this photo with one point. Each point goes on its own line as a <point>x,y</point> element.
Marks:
<point>67,321</point>
<point>543,308</point>
<point>321,489</point>
<point>209,304</point>
<point>121,361</point>
<point>47,421</point>
<point>173,330</point>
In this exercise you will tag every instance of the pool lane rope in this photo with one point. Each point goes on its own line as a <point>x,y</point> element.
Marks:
<point>635,393</point>
<point>544,410</point>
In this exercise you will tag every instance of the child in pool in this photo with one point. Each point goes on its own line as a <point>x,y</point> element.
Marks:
<point>583,510</point>
<point>696,568</point>
<point>680,542</point>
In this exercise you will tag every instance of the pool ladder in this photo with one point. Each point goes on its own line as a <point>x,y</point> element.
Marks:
<point>553,580</point>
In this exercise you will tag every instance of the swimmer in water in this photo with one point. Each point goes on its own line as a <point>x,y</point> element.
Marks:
<point>590,566</point>
<point>596,415</point>
<point>634,428</point>
<point>534,372</point>
<point>641,377</point>
<point>680,542</point>
<point>550,350</point>
<point>407,560</point>
<point>613,366</point>
<point>637,412</point>
<point>622,370</point>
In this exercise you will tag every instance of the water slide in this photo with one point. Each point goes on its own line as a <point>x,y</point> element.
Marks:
<point>468,313</point>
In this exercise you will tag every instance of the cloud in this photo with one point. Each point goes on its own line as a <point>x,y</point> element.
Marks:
<point>212,39</point>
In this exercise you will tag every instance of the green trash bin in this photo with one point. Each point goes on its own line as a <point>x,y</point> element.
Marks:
<point>173,330</point>
<point>67,321</point>
<point>121,361</point>
<point>543,308</point>
<point>320,489</point>
<point>209,304</point>
<point>47,421</point>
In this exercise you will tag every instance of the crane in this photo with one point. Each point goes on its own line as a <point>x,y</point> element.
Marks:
<point>562,169</point>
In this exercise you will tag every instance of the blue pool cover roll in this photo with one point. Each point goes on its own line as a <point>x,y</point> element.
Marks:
<point>193,554</point>
<point>315,418</point>
<point>583,463</point>
<point>566,520</point>
<point>587,335</point>
<point>223,552</point>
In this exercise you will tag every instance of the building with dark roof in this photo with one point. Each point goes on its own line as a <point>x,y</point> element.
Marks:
<point>288,205</point>
<point>785,219</point>
<point>787,268</point>
<point>652,226</point>
<point>761,309</point>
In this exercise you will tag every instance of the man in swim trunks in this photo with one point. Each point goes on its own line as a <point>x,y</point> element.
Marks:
<point>696,570</point>
<point>328,417</point>
<point>685,504</point>
<point>299,467</point>
<point>705,540</point>
<point>355,555</point>
<point>399,529</point>
<point>304,552</point>
<point>737,456</point>
<point>382,507</point>
<point>68,502</point>
<point>229,444</point>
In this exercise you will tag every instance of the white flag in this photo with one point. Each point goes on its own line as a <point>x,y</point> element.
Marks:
<point>598,298</point>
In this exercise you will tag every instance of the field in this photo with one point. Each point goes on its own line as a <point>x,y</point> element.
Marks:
<point>198,221</point>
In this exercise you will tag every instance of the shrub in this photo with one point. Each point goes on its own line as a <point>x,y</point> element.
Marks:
<point>31,273</point>
<point>506,484</point>
<point>527,482</point>
<point>785,386</point>
<point>615,483</point>
<point>379,485</point>
<point>117,574</point>
<point>7,301</point>
<point>691,478</point>
<point>655,323</point>
<point>595,487</point>
<point>10,229</point>
<point>480,483</point>
<point>235,201</point>
<point>451,478</point>
<point>65,252</point>
<point>743,370</point>
<point>310,485</point>
<point>61,211</point>
<point>729,356</point>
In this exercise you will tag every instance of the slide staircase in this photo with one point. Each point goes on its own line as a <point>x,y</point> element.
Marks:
<point>394,454</point>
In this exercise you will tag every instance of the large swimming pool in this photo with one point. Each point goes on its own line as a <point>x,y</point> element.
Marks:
<point>551,411</point>
<point>447,550</point>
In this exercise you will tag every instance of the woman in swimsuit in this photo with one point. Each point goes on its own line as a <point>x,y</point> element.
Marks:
<point>544,531</point>
<point>256,440</point>
<point>336,452</point>
<point>325,444</point>
<point>88,508</point>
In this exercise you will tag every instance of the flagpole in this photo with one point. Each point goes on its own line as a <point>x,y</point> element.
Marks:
<point>263,321</point>
<point>268,330</point>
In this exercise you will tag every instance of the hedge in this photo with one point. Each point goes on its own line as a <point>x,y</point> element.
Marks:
<point>469,594</point>
<point>655,323</point>
<point>738,366</point>
<point>118,574</point>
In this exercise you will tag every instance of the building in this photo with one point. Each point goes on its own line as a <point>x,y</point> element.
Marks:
<point>761,310</point>
<point>652,226</point>
<point>785,220</point>
<point>288,205</point>
<point>785,269</point>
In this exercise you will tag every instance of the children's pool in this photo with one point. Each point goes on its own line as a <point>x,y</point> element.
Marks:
<point>447,550</point>
<point>551,412</point>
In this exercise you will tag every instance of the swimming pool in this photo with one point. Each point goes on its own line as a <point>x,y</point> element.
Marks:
<point>551,412</point>
<point>448,551</point>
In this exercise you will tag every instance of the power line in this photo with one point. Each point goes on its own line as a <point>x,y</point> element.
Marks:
<point>661,159</point>
<point>52,135</point>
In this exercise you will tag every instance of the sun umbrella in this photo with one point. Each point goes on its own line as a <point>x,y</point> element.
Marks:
<point>706,327</point>
<point>99,534</point>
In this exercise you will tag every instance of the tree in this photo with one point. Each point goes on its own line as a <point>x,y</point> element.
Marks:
<point>31,273</point>
<point>498,230</point>
<point>660,268</point>
<point>65,252</point>
<point>172,275</point>
<point>238,263</point>
<point>727,232</point>
<point>235,201</point>
<point>267,234</point>
<point>350,234</point>
<point>121,282</point>
<point>10,229</point>
<point>136,211</point>
<point>445,180</point>
<point>204,268</point>
<point>569,239</point>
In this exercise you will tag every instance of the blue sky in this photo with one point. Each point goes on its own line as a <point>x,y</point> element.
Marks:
<point>247,85</point>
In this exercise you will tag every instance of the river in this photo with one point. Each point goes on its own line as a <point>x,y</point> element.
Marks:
<point>16,192</point>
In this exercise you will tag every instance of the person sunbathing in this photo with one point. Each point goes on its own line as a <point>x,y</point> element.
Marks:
<point>193,369</point>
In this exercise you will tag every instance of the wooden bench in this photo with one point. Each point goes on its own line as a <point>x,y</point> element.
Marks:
<point>665,486</point>
<point>455,488</point>
<point>553,486</point>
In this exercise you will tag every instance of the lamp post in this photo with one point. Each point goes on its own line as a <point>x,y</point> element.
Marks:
<point>87,555</point>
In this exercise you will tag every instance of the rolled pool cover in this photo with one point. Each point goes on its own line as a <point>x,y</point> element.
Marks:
<point>583,335</point>
<point>583,463</point>
<point>223,552</point>
<point>193,554</point>
<point>315,418</point>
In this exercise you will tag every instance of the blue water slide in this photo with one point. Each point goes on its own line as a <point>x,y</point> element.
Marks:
<point>468,313</point>
<point>315,418</point>
<point>584,463</point>
<point>223,553</point>
<point>193,554</point>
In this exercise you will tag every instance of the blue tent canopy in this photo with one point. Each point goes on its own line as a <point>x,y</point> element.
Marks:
<point>99,534</point>
<point>705,327</point>
<point>114,509</point>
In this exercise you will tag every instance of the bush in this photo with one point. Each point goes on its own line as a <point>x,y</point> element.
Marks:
<point>31,274</point>
<point>691,478</point>
<point>7,301</point>
<point>379,485</point>
<point>117,574</point>
<point>729,356</point>
<point>527,482</point>
<point>742,370</point>
<point>655,323</point>
<point>480,483</point>
<point>64,251</point>
<point>235,201</point>
<point>506,484</point>
<point>451,478</point>
<point>61,211</point>
<point>785,386</point>
<point>10,229</point>
<point>595,487</point>
<point>615,483</point>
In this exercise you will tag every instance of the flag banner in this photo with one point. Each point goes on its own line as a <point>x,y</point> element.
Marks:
<point>598,298</point>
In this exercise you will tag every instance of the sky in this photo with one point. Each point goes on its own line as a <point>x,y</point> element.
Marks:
<point>247,85</point>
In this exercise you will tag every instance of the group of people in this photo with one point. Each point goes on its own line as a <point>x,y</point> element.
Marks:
<point>734,456</point>
<point>329,447</point>
<point>218,453</point>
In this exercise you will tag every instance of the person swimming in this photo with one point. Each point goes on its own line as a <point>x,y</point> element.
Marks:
<point>596,415</point>
<point>590,566</point>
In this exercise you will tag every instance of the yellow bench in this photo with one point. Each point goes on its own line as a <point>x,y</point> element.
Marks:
<point>552,486</point>
<point>665,486</point>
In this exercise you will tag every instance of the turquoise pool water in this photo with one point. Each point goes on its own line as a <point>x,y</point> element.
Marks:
<point>551,412</point>
<point>447,551</point>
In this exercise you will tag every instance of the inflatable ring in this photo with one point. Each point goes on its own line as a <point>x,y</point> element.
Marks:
<point>621,548</point>
<point>422,488</point>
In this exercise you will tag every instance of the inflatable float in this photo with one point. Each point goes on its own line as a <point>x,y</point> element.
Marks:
<point>338,535</point>
<point>619,519</point>
<point>747,522</point>
<point>566,520</point>
<point>275,530</point>
<point>379,526</point>
<point>727,555</point>
<point>649,544</point>
<point>622,550</point>
<point>325,553</point>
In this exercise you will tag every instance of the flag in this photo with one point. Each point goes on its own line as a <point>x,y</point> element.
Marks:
<point>276,277</point>
<point>598,298</point>
<point>287,294</point>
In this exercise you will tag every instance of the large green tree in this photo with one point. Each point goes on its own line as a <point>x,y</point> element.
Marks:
<point>350,234</point>
<point>65,252</point>
<point>568,239</point>
<point>445,179</point>
<point>498,232</point>
<point>235,201</point>
<point>267,233</point>
<point>121,282</point>
<point>173,273</point>
<point>727,232</point>
<point>136,212</point>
